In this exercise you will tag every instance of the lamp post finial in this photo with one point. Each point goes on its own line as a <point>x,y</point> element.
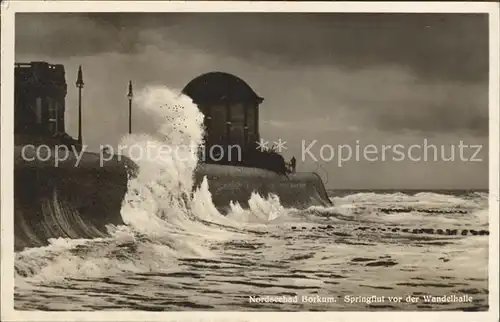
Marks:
<point>130,94</point>
<point>79,80</point>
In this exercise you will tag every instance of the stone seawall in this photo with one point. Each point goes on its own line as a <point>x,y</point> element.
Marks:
<point>66,201</point>
<point>232,183</point>
<point>71,201</point>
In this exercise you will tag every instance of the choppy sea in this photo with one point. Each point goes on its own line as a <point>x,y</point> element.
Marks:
<point>363,253</point>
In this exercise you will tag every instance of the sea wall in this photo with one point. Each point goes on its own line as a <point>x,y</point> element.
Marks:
<point>66,201</point>
<point>80,196</point>
<point>233,183</point>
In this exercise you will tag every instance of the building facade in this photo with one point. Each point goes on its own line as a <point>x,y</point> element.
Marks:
<point>39,99</point>
<point>230,107</point>
<point>39,105</point>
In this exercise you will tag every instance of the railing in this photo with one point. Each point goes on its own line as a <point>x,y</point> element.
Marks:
<point>30,65</point>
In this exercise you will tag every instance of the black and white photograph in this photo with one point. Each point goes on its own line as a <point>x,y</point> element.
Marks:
<point>250,160</point>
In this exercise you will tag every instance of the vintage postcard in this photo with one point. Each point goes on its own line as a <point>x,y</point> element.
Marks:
<point>244,161</point>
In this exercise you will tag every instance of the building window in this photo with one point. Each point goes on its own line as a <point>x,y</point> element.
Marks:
<point>53,115</point>
<point>252,126</point>
<point>38,110</point>
<point>238,114</point>
<point>217,134</point>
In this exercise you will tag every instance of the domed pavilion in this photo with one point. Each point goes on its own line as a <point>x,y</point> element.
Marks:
<point>231,109</point>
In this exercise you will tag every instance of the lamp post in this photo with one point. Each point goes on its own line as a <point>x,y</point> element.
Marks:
<point>79,85</point>
<point>130,96</point>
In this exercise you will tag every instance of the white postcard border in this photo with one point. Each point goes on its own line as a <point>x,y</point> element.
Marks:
<point>9,8</point>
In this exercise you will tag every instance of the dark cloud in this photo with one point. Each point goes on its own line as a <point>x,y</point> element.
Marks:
<point>436,46</point>
<point>418,72</point>
<point>399,103</point>
<point>71,34</point>
<point>336,78</point>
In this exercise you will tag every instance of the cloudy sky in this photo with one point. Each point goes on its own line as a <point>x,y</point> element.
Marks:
<point>355,79</point>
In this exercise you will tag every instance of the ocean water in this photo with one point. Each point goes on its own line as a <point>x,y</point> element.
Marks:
<point>177,252</point>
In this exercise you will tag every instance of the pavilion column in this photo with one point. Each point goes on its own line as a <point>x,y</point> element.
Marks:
<point>256,123</point>
<point>208,129</point>
<point>245,128</point>
<point>228,123</point>
<point>208,124</point>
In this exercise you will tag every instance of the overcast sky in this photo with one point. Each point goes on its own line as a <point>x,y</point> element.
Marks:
<point>335,78</point>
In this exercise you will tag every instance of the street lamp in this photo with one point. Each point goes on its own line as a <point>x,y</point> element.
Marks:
<point>130,96</point>
<point>79,85</point>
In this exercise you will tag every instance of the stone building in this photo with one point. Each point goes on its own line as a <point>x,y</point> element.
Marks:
<point>39,99</point>
<point>39,104</point>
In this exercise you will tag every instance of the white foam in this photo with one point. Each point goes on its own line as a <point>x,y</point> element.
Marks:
<point>165,220</point>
